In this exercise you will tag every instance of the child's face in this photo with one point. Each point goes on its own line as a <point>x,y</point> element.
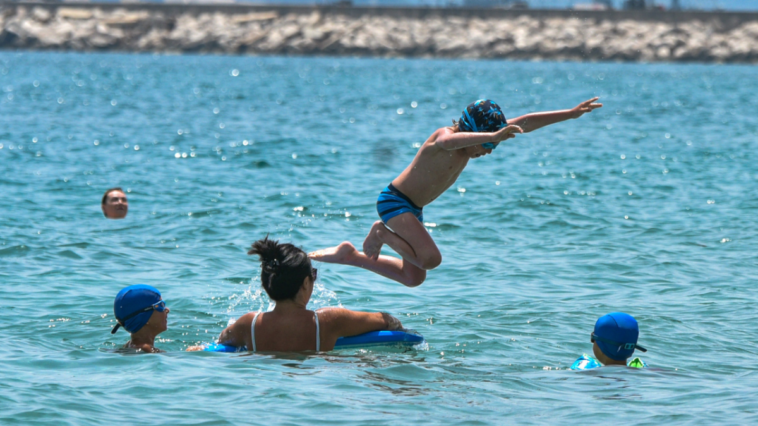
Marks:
<point>477,151</point>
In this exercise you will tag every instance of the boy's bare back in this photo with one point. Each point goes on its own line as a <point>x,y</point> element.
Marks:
<point>433,170</point>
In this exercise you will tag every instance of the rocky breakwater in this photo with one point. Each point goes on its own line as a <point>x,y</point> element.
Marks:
<point>331,32</point>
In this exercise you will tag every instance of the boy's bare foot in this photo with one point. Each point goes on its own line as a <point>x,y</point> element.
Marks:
<point>372,245</point>
<point>343,254</point>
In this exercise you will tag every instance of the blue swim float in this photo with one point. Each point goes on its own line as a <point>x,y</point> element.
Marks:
<point>372,338</point>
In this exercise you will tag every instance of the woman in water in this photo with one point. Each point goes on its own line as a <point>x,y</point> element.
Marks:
<point>288,278</point>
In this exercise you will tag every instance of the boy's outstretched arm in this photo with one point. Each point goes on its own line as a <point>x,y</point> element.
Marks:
<point>536,120</point>
<point>450,140</point>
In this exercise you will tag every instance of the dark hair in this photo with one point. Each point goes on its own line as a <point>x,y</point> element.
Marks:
<point>283,268</point>
<point>105,196</point>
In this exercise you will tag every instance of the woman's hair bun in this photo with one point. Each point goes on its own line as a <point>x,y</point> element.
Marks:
<point>284,267</point>
<point>268,250</point>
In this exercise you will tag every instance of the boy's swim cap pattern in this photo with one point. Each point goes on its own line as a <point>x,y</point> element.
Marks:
<point>483,115</point>
<point>618,327</point>
<point>133,298</point>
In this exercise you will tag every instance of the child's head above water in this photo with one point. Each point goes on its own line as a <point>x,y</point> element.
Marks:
<point>483,115</point>
<point>615,338</point>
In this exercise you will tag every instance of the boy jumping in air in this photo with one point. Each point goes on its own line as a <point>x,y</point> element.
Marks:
<point>436,167</point>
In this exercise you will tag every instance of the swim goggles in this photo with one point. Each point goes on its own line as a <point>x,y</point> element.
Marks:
<point>160,307</point>
<point>489,145</point>
<point>627,346</point>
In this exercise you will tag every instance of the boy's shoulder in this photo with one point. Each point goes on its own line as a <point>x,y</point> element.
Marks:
<point>439,133</point>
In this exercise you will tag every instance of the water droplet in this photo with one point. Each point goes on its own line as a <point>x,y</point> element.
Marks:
<point>177,155</point>
<point>216,110</point>
<point>414,104</point>
<point>234,73</point>
<point>443,106</point>
<point>400,111</point>
<point>113,102</point>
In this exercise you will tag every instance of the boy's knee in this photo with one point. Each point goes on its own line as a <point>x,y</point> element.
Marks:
<point>415,279</point>
<point>431,261</point>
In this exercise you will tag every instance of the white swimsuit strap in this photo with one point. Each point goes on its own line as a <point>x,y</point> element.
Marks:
<point>252,328</point>
<point>318,335</point>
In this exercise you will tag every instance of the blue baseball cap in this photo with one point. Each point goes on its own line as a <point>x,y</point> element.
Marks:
<point>616,334</point>
<point>134,305</point>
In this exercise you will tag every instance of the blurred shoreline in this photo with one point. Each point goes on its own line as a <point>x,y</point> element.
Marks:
<point>649,36</point>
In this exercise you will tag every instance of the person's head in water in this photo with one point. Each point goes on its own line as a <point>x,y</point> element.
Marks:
<point>285,269</point>
<point>114,204</point>
<point>141,311</point>
<point>615,338</point>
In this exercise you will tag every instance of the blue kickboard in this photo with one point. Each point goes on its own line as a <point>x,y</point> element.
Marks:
<point>373,338</point>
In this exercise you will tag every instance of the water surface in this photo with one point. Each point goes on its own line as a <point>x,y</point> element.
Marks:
<point>647,206</point>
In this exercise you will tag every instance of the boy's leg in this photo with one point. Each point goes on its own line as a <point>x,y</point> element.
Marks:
<point>387,266</point>
<point>408,238</point>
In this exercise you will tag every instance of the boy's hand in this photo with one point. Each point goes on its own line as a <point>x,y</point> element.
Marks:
<point>585,107</point>
<point>507,133</point>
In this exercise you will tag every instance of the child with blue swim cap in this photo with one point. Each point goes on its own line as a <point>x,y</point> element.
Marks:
<point>141,311</point>
<point>615,340</point>
<point>436,167</point>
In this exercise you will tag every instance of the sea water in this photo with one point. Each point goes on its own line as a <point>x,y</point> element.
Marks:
<point>646,206</point>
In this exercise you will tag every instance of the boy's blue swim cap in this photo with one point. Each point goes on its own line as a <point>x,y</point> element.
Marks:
<point>483,115</point>
<point>131,300</point>
<point>616,334</point>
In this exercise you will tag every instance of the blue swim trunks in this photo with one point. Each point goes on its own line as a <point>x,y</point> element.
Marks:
<point>392,202</point>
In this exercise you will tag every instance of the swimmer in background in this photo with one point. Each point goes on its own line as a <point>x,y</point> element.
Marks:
<point>614,342</point>
<point>436,167</point>
<point>114,204</point>
<point>288,278</point>
<point>143,313</point>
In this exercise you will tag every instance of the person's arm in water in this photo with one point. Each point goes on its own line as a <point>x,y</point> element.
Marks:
<point>344,322</point>
<point>238,333</point>
<point>450,140</point>
<point>535,120</point>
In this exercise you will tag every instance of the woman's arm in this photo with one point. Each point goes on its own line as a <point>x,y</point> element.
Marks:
<point>344,322</point>
<point>237,334</point>
<point>535,120</point>
<point>449,140</point>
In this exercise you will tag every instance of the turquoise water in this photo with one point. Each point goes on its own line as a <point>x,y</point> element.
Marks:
<point>647,206</point>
